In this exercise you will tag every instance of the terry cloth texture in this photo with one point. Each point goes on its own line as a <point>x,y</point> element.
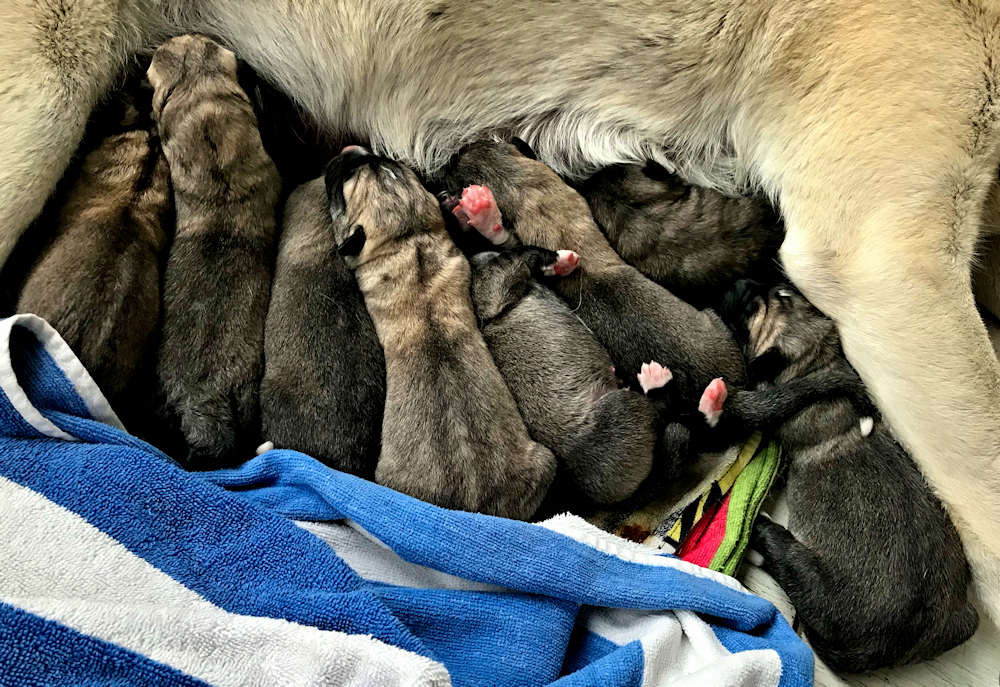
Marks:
<point>119,568</point>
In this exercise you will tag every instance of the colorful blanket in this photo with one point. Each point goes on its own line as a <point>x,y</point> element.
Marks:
<point>119,568</point>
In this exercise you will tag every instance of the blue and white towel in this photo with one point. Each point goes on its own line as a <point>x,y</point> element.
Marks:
<point>119,568</point>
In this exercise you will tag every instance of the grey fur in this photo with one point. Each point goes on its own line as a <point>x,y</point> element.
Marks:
<point>870,559</point>
<point>561,378</point>
<point>324,373</point>
<point>634,319</point>
<point>451,433</point>
<point>691,240</point>
<point>218,273</point>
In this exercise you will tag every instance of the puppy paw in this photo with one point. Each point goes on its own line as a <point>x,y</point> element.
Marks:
<point>653,376</point>
<point>564,264</point>
<point>480,210</point>
<point>265,447</point>
<point>711,401</point>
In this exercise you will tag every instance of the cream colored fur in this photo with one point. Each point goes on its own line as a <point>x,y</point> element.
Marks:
<point>873,123</point>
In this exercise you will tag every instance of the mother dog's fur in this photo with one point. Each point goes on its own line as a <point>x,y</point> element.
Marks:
<point>873,124</point>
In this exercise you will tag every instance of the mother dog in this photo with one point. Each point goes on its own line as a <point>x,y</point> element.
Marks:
<point>874,124</point>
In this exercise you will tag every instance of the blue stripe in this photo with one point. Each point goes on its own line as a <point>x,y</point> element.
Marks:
<point>35,369</point>
<point>471,632</point>
<point>621,666</point>
<point>41,653</point>
<point>797,661</point>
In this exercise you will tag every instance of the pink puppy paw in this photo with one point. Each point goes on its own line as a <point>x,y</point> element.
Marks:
<point>481,211</point>
<point>564,264</point>
<point>711,401</point>
<point>653,376</point>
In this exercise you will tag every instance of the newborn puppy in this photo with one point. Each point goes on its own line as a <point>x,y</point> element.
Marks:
<point>218,275</point>
<point>563,381</point>
<point>871,560</point>
<point>97,281</point>
<point>451,434</point>
<point>635,319</point>
<point>693,241</point>
<point>324,372</point>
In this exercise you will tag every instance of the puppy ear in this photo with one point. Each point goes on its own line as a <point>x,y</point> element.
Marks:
<point>524,148</point>
<point>766,366</point>
<point>354,243</point>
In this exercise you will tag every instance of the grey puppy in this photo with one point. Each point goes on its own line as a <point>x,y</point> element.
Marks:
<point>636,320</point>
<point>562,379</point>
<point>324,372</point>
<point>218,274</point>
<point>97,281</point>
<point>871,560</point>
<point>451,433</point>
<point>694,241</point>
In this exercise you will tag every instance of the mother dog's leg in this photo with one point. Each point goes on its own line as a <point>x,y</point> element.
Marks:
<point>57,58</point>
<point>882,166</point>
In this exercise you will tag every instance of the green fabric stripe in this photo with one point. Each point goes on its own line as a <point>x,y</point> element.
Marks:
<point>746,497</point>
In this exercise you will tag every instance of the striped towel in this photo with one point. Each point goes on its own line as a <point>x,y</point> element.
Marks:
<point>119,568</point>
<point>708,524</point>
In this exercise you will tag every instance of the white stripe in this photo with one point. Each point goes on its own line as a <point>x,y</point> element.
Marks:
<point>76,373</point>
<point>58,566</point>
<point>582,531</point>
<point>373,560</point>
<point>15,394</point>
<point>679,648</point>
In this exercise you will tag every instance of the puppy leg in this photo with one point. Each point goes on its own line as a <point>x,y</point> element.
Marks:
<point>882,210</point>
<point>56,60</point>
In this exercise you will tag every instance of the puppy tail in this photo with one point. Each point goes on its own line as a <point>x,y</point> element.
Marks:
<point>614,456</point>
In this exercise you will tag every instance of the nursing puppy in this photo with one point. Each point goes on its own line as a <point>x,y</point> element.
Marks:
<point>694,241</point>
<point>451,433</point>
<point>97,281</point>
<point>324,373</point>
<point>218,273</point>
<point>871,560</point>
<point>874,125</point>
<point>562,380</point>
<point>633,318</point>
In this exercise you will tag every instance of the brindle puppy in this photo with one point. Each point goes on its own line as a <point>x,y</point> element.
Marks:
<point>452,434</point>
<point>563,381</point>
<point>693,241</point>
<point>218,273</point>
<point>871,560</point>
<point>324,372</point>
<point>635,319</point>
<point>97,281</point>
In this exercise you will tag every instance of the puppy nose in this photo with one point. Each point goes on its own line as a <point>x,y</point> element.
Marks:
<point>354,149</point>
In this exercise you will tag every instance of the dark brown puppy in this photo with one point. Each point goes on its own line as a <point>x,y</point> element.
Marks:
<point>97,281</point>
<point>451,433</point>
<point>563,381</point>
<point>218,274</point>
<point>693,241</point>
<point>870,558</point>
<point>324,373</point>
<point>636,320</point>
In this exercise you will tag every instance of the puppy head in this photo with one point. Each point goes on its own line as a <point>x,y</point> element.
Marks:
<point>779,329</point>
<point>375,201</point>
<point>491,161</point>
<point>187,58</point>
<point>499,280</point>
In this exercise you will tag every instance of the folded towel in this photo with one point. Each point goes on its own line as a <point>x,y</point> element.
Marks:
<point>117,567</point>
